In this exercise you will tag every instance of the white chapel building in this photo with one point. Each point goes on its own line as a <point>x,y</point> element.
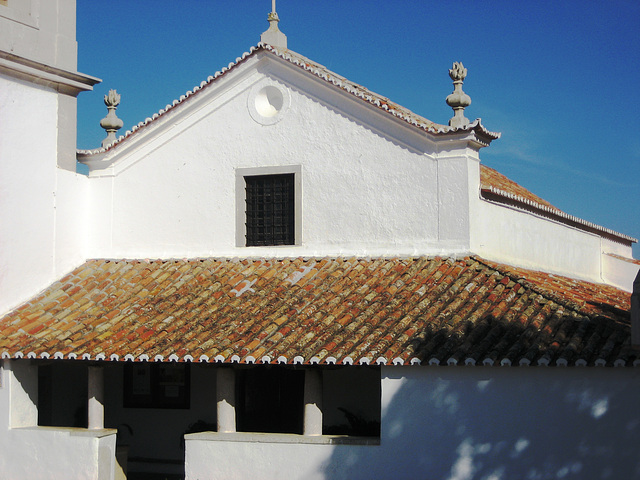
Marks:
<point>285,275</point>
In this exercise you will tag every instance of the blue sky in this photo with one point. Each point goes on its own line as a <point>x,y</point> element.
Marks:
<point>560,80</point>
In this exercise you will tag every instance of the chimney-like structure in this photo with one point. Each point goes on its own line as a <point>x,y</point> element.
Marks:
<point>273,36</point>
<point>635,312</point>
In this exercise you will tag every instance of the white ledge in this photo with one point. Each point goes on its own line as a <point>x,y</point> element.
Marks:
<point>250,437</point>
<point>72,431</point>
<point>48,75</point>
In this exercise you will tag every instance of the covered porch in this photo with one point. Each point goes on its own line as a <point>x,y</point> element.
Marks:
<point>116,420</point>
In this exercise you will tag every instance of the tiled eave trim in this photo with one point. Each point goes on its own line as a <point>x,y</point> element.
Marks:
<point>378,100</point>
<point>356,90</point>
<point>235,359</point>
<point>170,107</point>
<point>500,196</point>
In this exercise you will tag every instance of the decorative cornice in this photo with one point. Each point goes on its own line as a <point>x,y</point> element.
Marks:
<point>65,81</point>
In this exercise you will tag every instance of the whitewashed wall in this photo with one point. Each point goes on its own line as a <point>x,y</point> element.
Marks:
<point>40,30</point>
<point>42,214</point>
<point>42,219</point>
<point>519,238</point>
<point>362,193</point>
<point>619,272</point>
<point>170,189</point>
<point>461,423</point>
<point>33,452</point>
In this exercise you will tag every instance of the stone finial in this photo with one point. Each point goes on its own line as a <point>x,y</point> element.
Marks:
<point>458,100</point>
<point>273,36</point>
<point>111,123</point>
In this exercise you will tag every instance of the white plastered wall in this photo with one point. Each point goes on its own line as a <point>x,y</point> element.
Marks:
<point>29,451</point>
<point>508,235</point>
<point>462,423</point>
<point>619,272</point>
<point>40,30</point>
<point>42,207</point>
<point>173,194</point>
<point>171,189</point>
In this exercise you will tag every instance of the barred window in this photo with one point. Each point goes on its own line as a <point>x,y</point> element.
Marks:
<point>270,210</point>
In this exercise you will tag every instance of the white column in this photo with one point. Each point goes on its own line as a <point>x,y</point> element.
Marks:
<point>96,398</point>
<point>226,399</point>
<point>21,378</point>
<point>312,402</point>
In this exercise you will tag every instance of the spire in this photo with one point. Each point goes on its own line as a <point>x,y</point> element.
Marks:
<point>273,36</point>
<point>458,100</point>
<point>111,123</point>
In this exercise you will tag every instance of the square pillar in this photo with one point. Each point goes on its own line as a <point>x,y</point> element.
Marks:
<point>21,378</point>
<point>226,399</point>
<point>96,398</point>
<point>312,402</point>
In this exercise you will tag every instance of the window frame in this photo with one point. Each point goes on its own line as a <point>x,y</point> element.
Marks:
<point>241,217</point>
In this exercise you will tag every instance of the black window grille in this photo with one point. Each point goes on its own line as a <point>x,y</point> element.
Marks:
<point>270,210</point>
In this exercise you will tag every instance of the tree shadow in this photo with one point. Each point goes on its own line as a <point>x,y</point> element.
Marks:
<point>496,423</point>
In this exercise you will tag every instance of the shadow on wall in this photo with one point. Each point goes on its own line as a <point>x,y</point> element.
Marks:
<point>462,423</point>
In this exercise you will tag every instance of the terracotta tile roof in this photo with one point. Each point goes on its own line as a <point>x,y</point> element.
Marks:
<point>327,310</point>
<point>327,75</point>
<point>492,179</point>
<point>496,187</point>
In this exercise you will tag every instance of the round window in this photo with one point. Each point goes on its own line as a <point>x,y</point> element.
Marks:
<point>267,103</point>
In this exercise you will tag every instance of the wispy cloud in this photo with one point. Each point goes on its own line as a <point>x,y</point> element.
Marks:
<point>522,141</point>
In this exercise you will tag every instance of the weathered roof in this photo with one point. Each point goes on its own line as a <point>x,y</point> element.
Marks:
<point>319,71</point>
<point>492,180</point>
<point>322,310</point>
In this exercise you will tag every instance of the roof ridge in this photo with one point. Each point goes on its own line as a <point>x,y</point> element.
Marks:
<point>548,293</point>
